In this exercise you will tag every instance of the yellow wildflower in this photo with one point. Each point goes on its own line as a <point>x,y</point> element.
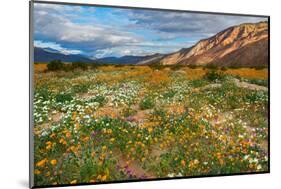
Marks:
<point>77,126</point>
<point>103,178</point>
<point>73,181</point>
<point>48,174</point>
<point>183,163</point>
<point>104,148</point>
<point>37,172</point>
<point>42,163</point>
<point>48,147</point>
<point>109,131</point>
<point>85,139</point>
<point>74,115</point>
<point>93,154</point>
<point>68,135</point>
<point>53,162</point>
<point>112,139</point>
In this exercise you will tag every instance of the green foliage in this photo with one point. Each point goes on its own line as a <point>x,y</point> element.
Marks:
<point>99,98</point>
<point>223,68</point>
<point>93,65</point>
<point>213,76</point>
<point>129,111</point>
<point>79,65</point>
<point>43,93</point>
<point>169,94</point>
<point>212,66</point>
<point>55,65</point>
<point>63,97</point>
<point>176,67</point>
<point>156,66</point>
<point>82,88</point>
<point>261,82</point>
<point>192,66</point>
<point>147,103</point>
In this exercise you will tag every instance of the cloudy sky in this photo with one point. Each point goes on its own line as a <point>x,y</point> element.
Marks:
<point>101,31</point>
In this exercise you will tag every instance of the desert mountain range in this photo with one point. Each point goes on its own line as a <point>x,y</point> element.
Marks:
<point>242,45</point>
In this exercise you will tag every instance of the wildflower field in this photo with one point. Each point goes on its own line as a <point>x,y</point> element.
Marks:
<point>115,123</point>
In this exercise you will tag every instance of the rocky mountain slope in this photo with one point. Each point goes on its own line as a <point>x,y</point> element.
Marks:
<point>242,45</point>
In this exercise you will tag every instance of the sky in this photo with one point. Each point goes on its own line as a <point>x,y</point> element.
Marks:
<point>99,32</point>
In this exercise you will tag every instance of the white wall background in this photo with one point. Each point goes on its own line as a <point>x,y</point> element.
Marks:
<point>14,95</point>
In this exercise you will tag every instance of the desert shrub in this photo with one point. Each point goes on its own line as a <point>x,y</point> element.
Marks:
<point>147,103</point>
<point>261,82</point>
<point>82,88</point>
<point>256,96</point>
<point>79,65</point>
<point>260,67</point>
<point>94,65</point>
<point>223,68</point>
<point>119,65</point>
<point>213,76</point>
<point>44,93</point>
<point>99,98</point>
<point>55,65</point>
<point>176,67</point>
<point>233,67</point>
<point>192,66</point>
<point>169,94</point>
<point>198,83</point>
<point>212,66</point>
<point>63,97</point>
<point>128,112</point>
<point>156,66</point>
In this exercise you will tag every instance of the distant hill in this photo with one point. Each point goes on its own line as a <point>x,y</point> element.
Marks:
<point>48,54</point>
<point>243,45</point>
<point>126,59</point>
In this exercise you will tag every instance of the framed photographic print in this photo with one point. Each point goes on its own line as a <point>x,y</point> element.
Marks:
<point>121,94</point>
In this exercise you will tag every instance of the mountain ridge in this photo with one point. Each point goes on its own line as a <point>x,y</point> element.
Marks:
<point>241,45</point>
<point>211,50</point>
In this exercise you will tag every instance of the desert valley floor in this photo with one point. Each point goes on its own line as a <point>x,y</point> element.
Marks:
<point>136,122</point>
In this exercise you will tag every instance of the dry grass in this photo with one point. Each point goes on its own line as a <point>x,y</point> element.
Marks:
<point>40,67</point>
<point>249,73</point>
<point>193,74</point>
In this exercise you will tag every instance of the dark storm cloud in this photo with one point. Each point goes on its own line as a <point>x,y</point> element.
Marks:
<point>186,24</point>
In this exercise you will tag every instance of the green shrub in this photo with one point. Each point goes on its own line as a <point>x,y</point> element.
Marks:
<point>169,94</point>
<point>223,68</point>
<point>63,97</point>
<point>128,112</point>
<point>212,66</point>
<point>192,66</point>
<point>80,88</point>
<point>213,76</point>
<point>156,66</point>
<point>44,93</point>
<point>55,65</point>
<point>147,103</point>
<point>176,67</point>
<point>79,65</point>
<point>99,98</point>
<point>260,67</point>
